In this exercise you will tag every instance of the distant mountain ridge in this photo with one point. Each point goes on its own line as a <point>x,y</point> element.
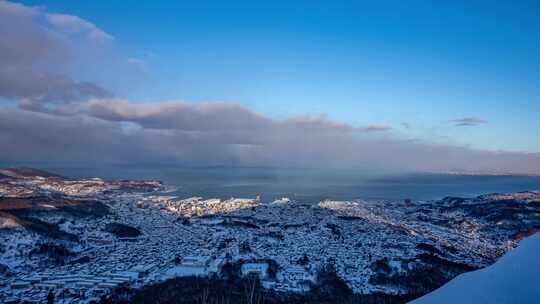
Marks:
<point>22,172</point>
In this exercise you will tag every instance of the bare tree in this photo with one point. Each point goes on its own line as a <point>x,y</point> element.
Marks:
<point>204,296</point>
<point>250,284</point>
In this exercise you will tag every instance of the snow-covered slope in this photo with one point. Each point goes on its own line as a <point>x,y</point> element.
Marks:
<point>515,278</point>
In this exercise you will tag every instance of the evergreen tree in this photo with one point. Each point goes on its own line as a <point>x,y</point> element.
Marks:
<point>50,297</point>
<point>104,300</point>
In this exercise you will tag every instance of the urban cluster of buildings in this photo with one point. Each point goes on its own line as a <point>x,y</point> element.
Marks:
<point>284,243</point>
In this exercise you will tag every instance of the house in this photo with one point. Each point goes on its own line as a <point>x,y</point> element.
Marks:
<point>20,285</point>
<point>196,261</point>
<point>259,269</point>
<point>144,269</point>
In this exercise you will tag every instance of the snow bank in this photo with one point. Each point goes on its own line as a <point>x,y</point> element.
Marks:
<point>515,278</point>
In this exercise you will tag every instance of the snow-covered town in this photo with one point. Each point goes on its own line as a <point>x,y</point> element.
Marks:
<point>82,238</point>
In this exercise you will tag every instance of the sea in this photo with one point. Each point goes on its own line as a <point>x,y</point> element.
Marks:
<point>308,185</point>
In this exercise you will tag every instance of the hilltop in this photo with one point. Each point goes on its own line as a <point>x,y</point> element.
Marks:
<point>25,172</point>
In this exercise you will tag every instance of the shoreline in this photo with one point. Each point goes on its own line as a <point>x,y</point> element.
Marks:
<point>115,234</point>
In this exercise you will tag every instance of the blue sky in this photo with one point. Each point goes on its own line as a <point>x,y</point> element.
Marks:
<point>420,62</point>
<point>389,86</point>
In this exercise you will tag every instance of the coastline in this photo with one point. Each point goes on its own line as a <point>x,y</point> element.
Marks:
<point>108,235</point>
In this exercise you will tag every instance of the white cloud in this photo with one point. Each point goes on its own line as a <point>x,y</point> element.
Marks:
<point>228,134</point>
<point>64,119</point>
<point>35,52</point>
<point>76,25</point>
<point>468,121</point>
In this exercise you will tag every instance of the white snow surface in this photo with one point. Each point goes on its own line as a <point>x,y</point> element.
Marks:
<point>514,279</point>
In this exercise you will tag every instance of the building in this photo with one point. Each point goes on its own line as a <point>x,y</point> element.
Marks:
<point>196,261</point>
<point>258,269</point>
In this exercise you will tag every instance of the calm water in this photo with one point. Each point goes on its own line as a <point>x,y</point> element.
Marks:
<point>310,185</point>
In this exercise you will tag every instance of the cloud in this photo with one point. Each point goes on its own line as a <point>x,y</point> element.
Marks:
<point>138,63</point>
<point>35,53</point>
<point>406,125</point>
<point>209,116</point>
<point>75,25</point>
<point>225,134</point>
<point>376,128</point>
<point>65,119</point>
<point>202,117</point>
<point>468,121</point>
<point>172,115</point>
<point>16,9</point>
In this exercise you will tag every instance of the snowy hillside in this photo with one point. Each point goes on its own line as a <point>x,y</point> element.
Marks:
<point>515,278</point>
